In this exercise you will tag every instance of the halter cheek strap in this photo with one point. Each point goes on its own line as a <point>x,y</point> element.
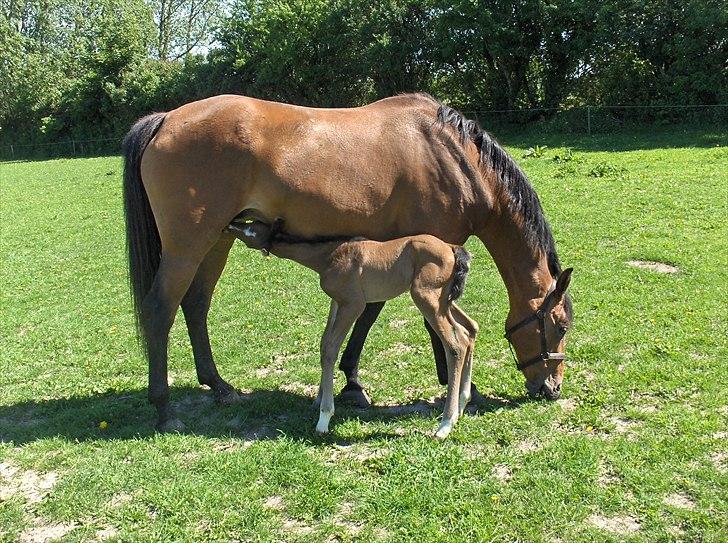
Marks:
<point>545,355</point>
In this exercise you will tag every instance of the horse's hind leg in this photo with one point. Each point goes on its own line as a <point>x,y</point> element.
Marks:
<point>353,392</point>
<point>159,308</point>
<point>195,305</point>
<point>439,351</point>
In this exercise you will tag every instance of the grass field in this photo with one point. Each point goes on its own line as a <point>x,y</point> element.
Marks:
<point>636,449</point>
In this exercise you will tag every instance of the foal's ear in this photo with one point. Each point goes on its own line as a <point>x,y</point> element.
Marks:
<point>562,284</point>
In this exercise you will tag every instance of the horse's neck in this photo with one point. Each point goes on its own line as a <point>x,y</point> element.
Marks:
<point>525,272</point>
<point>315,256</point>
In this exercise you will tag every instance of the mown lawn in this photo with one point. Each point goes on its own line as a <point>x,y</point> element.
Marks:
<point>636,449</point>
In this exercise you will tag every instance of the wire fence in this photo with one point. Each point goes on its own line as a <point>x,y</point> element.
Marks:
<point>64,148</point>
<point>586,120</point>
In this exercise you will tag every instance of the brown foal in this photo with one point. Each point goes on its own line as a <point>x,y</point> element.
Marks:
<point>357,271</point>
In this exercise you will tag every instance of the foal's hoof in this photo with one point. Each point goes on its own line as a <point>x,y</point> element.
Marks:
<point>171,426</point>
<point>442,432</point>
<point>229,397</point>
<point>357,398</point>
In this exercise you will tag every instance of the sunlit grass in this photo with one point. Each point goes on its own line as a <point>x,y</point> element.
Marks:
<point>637,444</point>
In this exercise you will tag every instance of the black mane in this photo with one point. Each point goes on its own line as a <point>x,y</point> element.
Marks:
<point>523,200</point>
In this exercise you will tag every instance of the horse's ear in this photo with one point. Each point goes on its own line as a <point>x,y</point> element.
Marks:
<point>562,283</point>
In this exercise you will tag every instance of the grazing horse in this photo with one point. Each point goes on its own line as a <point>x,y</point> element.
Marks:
<point>357,271</point>
<point>401,166</point>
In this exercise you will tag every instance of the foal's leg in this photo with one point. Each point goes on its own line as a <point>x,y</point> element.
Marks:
<point>159,308</point>
<point>441,362</point>
<point>341,318</point>
<point>195,305</point>
<point>471,327</point>
<point>353,392</point>
<point>433,306</point>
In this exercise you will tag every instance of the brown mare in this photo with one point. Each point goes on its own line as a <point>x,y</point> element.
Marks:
<point>401,166</point>
<point>357,271</point>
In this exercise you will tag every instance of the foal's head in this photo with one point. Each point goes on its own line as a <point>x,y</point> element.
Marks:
<point>539,342</point>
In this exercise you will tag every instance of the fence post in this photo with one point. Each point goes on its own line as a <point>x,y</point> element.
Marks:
<point>588,120</point>
<point>73,142</point>
<point>12,152</point>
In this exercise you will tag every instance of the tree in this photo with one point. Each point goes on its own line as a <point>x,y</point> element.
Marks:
<point>183,26</point>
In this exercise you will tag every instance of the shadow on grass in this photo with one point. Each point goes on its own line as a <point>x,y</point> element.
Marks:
<point>261,415</point>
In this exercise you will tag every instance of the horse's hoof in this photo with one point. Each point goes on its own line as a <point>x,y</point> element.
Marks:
<point>230,397</point>
<point>171,426</point>
<point>442,433</point>
<point>357,398</point>
<point>475,396</point>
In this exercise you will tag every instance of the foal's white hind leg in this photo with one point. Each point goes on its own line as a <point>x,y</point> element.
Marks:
<point>471,328</point>
<point>341,318</point>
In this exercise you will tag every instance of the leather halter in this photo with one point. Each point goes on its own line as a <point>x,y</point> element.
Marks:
<point>545,355</point>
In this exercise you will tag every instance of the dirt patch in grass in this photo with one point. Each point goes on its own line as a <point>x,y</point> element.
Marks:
<point>342,519</point>
<point>566,404</point>
<point>40,532</point>
<point>122,498</point>
<point>275,503</point>
<point>296,527</point>
<point>620,525</point>
<point>719,460</point>
<point>106,533</point>
<point>680,501</point>
<point>398,349</point>
<point>398,323</point>
<point>300,388</point>
<point>527,446</point>
<point>502,472</point>
<point>29,483</point>
<point>659,267</point>
<point>606,476</point>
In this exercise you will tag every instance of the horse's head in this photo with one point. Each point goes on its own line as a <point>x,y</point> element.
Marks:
<point>256,234</point>
<point>539,342</point>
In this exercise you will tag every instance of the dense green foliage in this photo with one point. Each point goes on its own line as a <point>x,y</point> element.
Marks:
<point>87,68</point>
<point>636,449</point>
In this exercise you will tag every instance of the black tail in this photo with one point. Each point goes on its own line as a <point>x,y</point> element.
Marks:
<point>143,245</point>
<point>460,273</point>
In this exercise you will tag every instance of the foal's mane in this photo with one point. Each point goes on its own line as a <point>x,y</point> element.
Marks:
<point>522,199</point>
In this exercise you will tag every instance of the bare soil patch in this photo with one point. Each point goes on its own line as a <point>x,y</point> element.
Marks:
<point>680,501</point>
<point>659,267</point>
<point>502,472</point>
<point>620,525</point>
<point>41,532</point>
<point>32,485</point>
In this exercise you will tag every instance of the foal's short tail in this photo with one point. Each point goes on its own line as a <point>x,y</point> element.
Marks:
<point>460,273</point>
<point>143,245</point>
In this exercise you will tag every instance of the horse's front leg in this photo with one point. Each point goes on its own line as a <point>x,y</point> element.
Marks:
<point>353,392</point>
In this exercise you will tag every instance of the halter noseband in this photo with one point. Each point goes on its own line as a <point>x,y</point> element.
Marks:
<point>545,355</point>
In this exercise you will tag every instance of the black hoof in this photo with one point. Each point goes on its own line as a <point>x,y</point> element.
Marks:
<point>475,396</point>
<point>171,426</point>
<point>357,398</point>
<point>228,397</point>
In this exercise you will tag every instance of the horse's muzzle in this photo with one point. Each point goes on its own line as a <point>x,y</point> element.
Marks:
<point>548,391</point>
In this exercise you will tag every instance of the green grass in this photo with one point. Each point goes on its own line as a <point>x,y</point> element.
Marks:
<point>639,436</point>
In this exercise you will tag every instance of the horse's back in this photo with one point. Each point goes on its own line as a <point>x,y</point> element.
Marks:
<point>378,170</point>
